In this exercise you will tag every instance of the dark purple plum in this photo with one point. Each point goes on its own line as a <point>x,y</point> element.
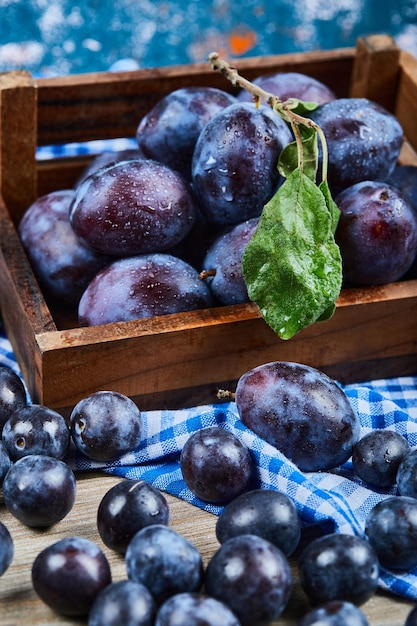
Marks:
<point>195,609</point>
<point>376,233</point>
<point>406,475</point>
<point>69,574</point>
<point>264,512</point>
<point>62,263</point>
<point>106,158</point>
<point>6,548</point>
<point>391,529</point>
<point>287,85</point>
<point>301,411</point>
<point>404,178</point>
<point>339,567</point>
<point>168,133</point>
<point>363,139</point>
<point>411,617</point>
<point>39,490</point>
<point>133,207</point>
<point>216,465</point>
<point>5,462</point>
<point>123,603</point>
<point>377,455</point>
<point>234,169</point>
<point>164,561</point>
<point>12,394</point>
<point>142,286</point>
<point>128,507</point>
<point>335,613</point>
<point>222,264</point>
<point>105,425</point>
<point>36,429</point>
<point>252,577</point>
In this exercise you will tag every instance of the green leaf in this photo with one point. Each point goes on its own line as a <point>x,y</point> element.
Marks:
<point>299,106</point>
<point>289,158</point>
<point>331,204</point>
<point>292,265</point>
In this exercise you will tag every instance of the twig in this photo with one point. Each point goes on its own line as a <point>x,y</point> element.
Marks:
<point>283,108</point>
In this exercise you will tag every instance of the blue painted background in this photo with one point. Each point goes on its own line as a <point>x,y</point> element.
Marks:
<point>62,37</point>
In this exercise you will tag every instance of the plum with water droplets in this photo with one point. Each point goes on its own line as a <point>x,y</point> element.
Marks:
<point>142,286</point>
<point>376,233</point>
<point>234,169</point>
<point>222,264</point>
<point>169,131</point>
<point>133,207</point>
<point>301,411</point>
<point>287,85</point>
<point>363,139</point>
<point>62,263</point>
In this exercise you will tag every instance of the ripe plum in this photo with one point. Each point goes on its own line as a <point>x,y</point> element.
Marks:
<point>252,577</point>
<point>168,133</point>
<point>335,613</point>
<point>300,411</point>
<point>123,603</point>
<point>234,169</point>
<point>128,507</point>
<point>69,574</point>
<point>376,233</point>
<point>363,139</point>
<point>404,178</point>
<point>264,512</point>
<point>164,561</point>
<point>36,429</point>
<point>287,85</point>
<point>407,474</point>
<point>223,263</point>
<point>5,462</point>
<point>106,158</point>
<point>142,286</point>
<point>195,609</point>
<point>105,425</point>
<point>411,617</point>
<point>133,207</point>
<point>339,567</point>
<point>12,394</point>
<point>39,490</point>
<point>62,263</point>
<point>6,549</point>
<point>391,528</point>
<point>215,464</point>
<point>377,455</point>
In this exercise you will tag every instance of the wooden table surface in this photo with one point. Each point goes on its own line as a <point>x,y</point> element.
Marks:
<point>20,606</point>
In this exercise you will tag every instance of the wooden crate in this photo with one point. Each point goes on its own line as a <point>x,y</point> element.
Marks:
<point>180,360</point>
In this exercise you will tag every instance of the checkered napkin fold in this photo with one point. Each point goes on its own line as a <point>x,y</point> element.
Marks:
<point>331,501</point>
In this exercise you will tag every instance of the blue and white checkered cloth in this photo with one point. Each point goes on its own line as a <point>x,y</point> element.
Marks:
<point>331,501</point>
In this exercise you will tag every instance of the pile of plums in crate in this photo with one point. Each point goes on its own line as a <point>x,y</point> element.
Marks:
<point>162,229</point>
<point>248,579</point>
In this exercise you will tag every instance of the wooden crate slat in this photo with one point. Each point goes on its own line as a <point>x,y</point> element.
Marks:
<point>77,108</point>
<point>376,70</point>
<point>18,139</point>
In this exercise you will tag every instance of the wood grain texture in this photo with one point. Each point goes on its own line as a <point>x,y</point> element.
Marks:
<point>376,70</point>
<point>18,137</point>
<point>19,604</point>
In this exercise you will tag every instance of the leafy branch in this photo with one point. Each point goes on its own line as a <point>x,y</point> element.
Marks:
<point>292,264</point>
